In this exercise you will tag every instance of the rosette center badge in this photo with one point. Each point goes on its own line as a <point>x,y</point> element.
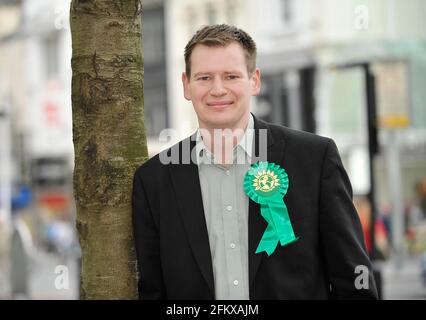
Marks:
<point>266,181</point>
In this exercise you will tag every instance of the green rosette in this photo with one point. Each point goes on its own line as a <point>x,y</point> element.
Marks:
<point>266,183</point>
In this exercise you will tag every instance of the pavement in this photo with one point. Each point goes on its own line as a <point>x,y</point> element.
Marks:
<point>53,277</point>
<point>402,279</point>
<point>50,277</point>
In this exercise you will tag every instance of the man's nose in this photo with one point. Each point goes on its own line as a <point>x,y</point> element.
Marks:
<point>218,89</point>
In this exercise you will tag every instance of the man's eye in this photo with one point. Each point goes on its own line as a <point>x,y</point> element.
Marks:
<point>232,77</point>
<point>204,78</point>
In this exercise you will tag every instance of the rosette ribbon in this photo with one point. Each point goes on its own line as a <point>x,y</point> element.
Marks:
<point>266,183</point>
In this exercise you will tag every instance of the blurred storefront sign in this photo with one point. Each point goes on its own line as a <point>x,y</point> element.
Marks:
<point>50,122</point>
<point>51,177</point>
<point>51,112</point>
<point>54,200</point>
<point>50,171</point>
<point>392,94</point>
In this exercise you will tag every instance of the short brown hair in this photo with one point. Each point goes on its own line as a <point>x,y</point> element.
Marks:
<point>221,35</point>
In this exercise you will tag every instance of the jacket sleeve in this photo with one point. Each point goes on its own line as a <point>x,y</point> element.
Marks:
<point>147,244</point>
<point>348,265</point>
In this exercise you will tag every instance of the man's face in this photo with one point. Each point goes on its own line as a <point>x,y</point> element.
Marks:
<point>220,87</point>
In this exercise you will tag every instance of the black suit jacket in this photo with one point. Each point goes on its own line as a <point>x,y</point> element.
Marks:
<point>172,243</point>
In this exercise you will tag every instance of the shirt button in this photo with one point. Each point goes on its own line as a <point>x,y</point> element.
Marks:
<point>232,245</point>
<point>235,282</point>
<point>227,172</point>
<point>229,208</point>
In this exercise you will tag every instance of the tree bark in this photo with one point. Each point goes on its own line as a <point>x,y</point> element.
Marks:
<point>109,140</point>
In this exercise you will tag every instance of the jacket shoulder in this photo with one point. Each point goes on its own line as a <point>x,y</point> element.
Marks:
<point>297,136</point>
<point>160,161</point>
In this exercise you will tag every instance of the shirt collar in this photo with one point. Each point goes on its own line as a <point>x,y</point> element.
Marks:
<point>245,144</point>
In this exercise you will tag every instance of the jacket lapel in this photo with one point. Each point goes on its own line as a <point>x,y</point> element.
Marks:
<point>186,184</point>
<point>257,223</point>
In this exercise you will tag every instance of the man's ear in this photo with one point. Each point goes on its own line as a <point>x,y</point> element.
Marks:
<point>185,82</point>
<point>255,82</point>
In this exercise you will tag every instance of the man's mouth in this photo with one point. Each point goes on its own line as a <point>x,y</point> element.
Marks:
<point>220,104</point>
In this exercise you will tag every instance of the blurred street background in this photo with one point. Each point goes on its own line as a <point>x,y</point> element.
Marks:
<point>351,70</point>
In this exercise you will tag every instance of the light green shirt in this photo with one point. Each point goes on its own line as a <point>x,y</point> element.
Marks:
<point>226,213</point>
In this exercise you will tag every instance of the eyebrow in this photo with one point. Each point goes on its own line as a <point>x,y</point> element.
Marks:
<point>233,72</point>
<point>202,74</point>
<point>210,73</point>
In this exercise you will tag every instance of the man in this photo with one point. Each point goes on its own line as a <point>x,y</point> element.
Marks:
<point>198,232</point>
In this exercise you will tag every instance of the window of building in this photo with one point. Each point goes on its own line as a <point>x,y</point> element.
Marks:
<point>155,85</point>
<point>287,11</point>
<point>231,10</point>
<point>211,13</point>
<point>51,51</point>
<point>191,19</point>
<point>153,36</point>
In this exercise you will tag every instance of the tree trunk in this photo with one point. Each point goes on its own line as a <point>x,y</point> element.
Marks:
<point>109,140</point>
